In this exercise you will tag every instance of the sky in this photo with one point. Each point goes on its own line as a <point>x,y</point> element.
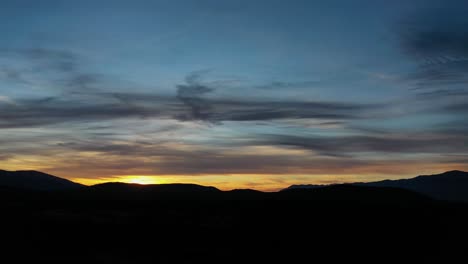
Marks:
<point>234,94</point>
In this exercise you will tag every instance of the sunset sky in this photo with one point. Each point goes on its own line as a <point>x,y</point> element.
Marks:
<point>235,94</point>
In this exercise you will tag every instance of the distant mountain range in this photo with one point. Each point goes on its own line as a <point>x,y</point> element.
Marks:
<point>35,180</point>
<point>451,186</point>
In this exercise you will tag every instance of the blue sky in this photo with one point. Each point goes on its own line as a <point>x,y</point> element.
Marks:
<point>234,93</point>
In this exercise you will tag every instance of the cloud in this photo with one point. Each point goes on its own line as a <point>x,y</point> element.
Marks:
<point>82,159</point>
<point>6,100</point>
<point>88,101</point>
<point>109,106</point>
<point>89,155</point>
<point>191,95</point>
<point>5,157</point>
<point>82,82</point>
<point>450,73</point>
<point>52,69</point>
<point>440,141</point>
<point>344,146</point>
<point>461,108</point>
<point>91,96</point>
<point>276,85</point>
<point>216,110</point>
<point>48,111</point>
<point>125,148</point>
<point>441,93</point>
<point>258,110</point>
<point>55,110</point>
<point>438,42</point>
<point>126,157</point>
<point>61,60</point>
<point>11,75</point>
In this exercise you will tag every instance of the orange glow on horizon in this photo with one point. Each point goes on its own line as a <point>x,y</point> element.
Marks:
<point>138,179</point>
<point>262,179</point>
<point>259,182</point>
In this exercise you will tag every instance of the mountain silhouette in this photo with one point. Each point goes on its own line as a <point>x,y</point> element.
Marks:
<point>35,180</point>
<point>119,190</point>
<point>354,193</point>
<point>189,223</point>
<point>306,186</point>
<point>167,187</point>
<point>450,185</point>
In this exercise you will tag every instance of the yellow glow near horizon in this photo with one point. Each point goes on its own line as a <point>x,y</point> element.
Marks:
<point>260,182</point>
<point>141,179</point>
<point>138,179</point>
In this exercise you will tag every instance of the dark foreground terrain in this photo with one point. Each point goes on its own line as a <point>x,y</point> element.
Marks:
<point>121,223</point>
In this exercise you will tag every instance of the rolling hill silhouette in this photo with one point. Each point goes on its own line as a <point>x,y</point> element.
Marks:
<point>189,223</point>
<point>355,193</point>
<point>118,190</point>
<point>450,185</point>
<point>35,180</point>
<point>163,188</point>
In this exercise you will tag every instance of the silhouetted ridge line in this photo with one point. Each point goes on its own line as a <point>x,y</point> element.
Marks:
<point>450,185</point>
<point>131,191</point>
<point>167,187</point>
<point>35,180</point>
<point>346,193</point>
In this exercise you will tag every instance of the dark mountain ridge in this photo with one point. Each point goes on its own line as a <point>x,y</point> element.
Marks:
<point>167,187</point>
<point>35,180</point>
<point>450,185</point>
<point>189,223</point>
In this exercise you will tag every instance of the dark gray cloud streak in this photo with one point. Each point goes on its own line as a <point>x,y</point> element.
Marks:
<point>279,85</point>
<point>163,159</point>
<point>438,41</point>
<point>62,70</point>
<point>86,99</point>
<point>191,95</point>
<point>109,106</point>
<point>60,60</point>
<point>48,111</point>
<point>342,146</point>
<point>336,153</point>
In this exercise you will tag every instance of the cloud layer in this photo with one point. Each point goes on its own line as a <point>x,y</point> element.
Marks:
<point>295,91</point>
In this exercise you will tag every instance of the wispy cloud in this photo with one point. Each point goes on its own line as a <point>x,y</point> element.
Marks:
<point>280,85</point>
<point>61,60</point>
<point>191,95</point>
<point>6,100</point>
<point>194,95</point>
<point>48,111</point>
<point>339,146</point>
<point>87,100</point>
<point>439,44</point>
